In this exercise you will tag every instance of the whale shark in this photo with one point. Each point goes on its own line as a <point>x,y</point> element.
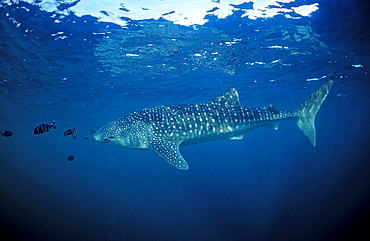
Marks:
<point>163,129</point>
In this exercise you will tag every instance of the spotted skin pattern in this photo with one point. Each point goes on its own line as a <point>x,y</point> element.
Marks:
<point>163,129</point>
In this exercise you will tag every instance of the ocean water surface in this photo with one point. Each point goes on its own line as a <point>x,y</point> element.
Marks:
<point>85,63</point>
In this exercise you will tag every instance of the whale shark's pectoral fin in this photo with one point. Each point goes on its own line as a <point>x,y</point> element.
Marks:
<point>169,151</point>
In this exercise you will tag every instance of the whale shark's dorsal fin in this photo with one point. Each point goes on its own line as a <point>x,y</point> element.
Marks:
<point>169,151</point>
<point>228,99</point>
<point>270,108</point>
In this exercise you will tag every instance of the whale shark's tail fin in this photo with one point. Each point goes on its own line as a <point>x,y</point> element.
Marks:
<point>308,110</point>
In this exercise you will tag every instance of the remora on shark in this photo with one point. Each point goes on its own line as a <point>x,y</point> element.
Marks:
<point>163,129</point>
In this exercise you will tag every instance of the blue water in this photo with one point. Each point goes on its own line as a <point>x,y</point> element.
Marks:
<point>272,185</point>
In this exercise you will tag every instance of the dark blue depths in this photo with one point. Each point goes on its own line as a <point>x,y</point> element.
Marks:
<point>272,185</point>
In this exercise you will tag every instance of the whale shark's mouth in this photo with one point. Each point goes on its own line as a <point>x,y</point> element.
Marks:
<point>99,137</point>
<point>108,139</point>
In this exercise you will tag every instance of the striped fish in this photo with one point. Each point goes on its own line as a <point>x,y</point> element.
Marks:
<point>44,128</point>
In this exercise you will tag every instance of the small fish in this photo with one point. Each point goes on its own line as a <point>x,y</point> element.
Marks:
<point>44,128</point>
<point>70,132</point>
<point>6,133</point>
<point>86,138</point>
<point>91,131</point>
<point>70,158</point>
<point>74,137</point>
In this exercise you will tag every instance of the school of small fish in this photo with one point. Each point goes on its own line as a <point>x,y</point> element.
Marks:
<point>43,128</point>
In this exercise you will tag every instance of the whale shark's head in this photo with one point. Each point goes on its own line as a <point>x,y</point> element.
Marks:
<point>125,133</point>
<point>109,133</point>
